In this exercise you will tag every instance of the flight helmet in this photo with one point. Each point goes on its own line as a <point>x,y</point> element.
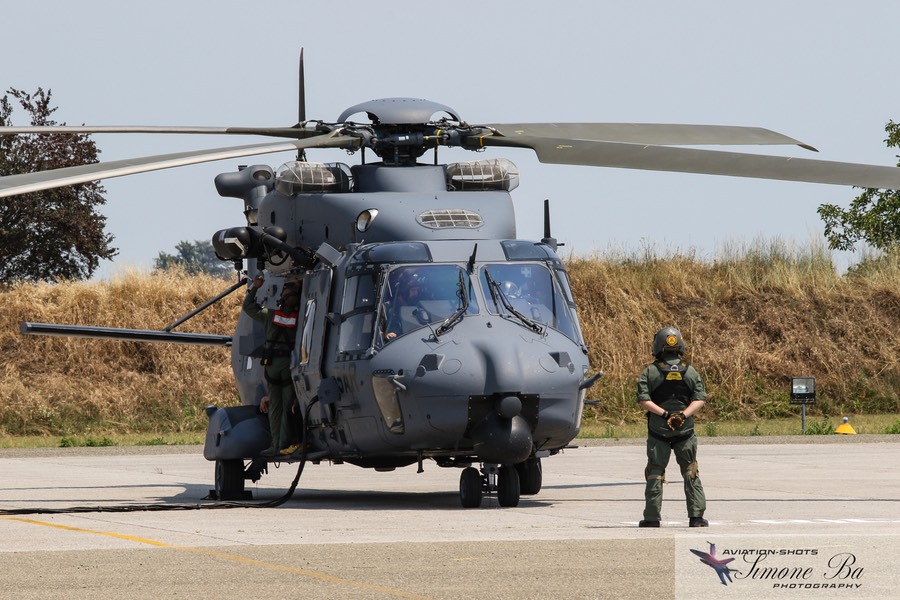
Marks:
<point>668,340</point>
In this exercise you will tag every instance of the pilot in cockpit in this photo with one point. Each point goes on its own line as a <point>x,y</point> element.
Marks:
<point>406,297</point>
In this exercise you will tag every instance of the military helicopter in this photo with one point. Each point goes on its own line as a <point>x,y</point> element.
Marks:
<point>488,366</point>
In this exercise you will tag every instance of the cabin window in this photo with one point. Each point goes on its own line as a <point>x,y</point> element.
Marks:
<point>306,336</point>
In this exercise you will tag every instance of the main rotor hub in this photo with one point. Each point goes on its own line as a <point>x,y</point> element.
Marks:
<point>399,111</point>
<point>402,129</point>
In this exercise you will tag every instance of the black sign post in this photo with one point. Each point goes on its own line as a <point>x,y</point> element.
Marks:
<point>803,392</point>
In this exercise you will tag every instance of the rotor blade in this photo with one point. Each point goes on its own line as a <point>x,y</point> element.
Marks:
<point>659,134</point>
<point>302,130</point>
<point>567,151</point>
<point>32,182</point>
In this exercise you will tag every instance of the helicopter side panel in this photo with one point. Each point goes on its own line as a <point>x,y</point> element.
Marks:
<point>249,337</point>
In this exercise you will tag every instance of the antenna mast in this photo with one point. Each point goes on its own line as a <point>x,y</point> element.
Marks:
<point>301,103</point>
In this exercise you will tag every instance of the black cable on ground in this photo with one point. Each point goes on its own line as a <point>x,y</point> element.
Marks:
<point>160,507</point>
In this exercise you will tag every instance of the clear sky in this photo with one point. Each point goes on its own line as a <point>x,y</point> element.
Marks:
<point>821,71</point>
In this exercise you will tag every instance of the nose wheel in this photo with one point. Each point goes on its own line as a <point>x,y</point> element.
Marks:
<point>504,480</point>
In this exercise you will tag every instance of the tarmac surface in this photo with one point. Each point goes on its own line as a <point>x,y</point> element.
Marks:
<point>816,519</point>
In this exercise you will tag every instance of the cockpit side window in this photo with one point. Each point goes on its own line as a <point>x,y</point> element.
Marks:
<point>358,313</point>
<point>564,284</point>
<point>563,279</point>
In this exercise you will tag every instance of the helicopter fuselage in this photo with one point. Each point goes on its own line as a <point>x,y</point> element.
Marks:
<point>487,361</point>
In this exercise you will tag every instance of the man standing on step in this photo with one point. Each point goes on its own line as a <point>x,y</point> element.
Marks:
<point>281,332</point>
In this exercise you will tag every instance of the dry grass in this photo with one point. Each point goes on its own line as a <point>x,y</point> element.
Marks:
<point>61,386</point>
<point>752,318</point>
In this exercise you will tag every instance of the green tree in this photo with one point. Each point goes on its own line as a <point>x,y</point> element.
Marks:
<point>195,258</point>
<point>873,217</point>
<point>54,234</point>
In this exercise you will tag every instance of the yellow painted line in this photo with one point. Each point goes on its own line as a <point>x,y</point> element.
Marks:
<point>233,557</point>
<point>80,530</point>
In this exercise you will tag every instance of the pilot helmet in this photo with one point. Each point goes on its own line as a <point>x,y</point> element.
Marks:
<point>410,279</point>
<point>510,289</point>
<point>668,340</point>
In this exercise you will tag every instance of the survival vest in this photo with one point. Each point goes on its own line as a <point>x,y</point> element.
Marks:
<point>673,394</point>
<point>280,337</point>
<point>672,390</point>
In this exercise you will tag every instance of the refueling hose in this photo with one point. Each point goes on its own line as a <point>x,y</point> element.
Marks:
<point>159,507</point>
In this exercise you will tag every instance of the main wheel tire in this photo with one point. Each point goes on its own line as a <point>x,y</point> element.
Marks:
<point>471,487</point>
<point>531,476</point>
<point>229,479</point>
<point>508,486</point>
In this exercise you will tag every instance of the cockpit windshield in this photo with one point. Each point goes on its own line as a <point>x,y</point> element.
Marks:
<point>525,291</point>
<point>382,302</point>
<point>420,295</point>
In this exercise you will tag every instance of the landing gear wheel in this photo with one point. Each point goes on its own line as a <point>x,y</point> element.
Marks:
<point>531,476</point>
<point>229,480</point>
<point>508,486</point>
<point>471,487</point>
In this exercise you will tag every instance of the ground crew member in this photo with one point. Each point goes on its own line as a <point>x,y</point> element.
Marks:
<point>671,392</point>
<point>281,332</point>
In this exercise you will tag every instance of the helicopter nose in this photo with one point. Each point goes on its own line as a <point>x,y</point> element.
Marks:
<point>502,435</point>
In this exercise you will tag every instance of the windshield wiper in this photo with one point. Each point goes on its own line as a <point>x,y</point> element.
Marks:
<point>497,292</point>
<point>453,319</point>
<point>493,288</point>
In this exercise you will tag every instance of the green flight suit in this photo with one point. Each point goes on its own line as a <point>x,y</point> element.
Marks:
<point>281,332</point>
<point>671,384</point>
